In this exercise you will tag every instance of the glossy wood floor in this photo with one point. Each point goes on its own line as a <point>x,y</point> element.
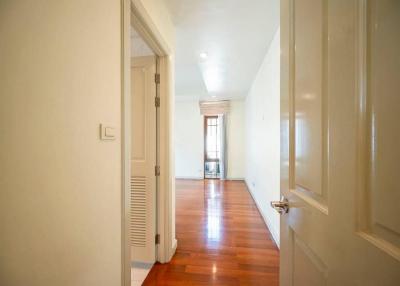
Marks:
<point>222,239</point>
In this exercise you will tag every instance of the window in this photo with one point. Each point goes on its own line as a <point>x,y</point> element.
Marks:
<point>212,147</point>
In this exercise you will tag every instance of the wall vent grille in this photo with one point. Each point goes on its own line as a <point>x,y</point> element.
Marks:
<point>138,211</point>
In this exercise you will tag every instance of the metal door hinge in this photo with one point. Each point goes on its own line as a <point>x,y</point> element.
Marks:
<point>157,101</point>
<point>157,240</point>
<point>157,170</point>
<point>157,78</point>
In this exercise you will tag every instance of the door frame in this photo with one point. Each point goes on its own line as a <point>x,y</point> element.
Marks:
<point>134,14</point>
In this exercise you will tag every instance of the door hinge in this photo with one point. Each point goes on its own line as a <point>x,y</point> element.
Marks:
<point>157,78</point>
<point>157,101</point>
<point>157,170</point>
<point>157,239</point>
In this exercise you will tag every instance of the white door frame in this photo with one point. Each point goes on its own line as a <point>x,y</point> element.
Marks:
<point>133,13</point>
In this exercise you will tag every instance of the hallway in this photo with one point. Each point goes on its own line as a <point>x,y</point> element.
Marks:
<point>222,239</point>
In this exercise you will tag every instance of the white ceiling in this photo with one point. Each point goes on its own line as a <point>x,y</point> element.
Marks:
<point>235,34</point>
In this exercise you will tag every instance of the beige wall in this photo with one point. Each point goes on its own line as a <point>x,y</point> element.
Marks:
<point>60,186</point>
<point>60,199</point>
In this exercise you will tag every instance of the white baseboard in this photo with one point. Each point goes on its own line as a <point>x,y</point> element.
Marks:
<point>188,178</point>
<point>173,250</point>
<point>267,222</point>
<point>234,179</point>
<point>174,246</point>
<point>201,178</point>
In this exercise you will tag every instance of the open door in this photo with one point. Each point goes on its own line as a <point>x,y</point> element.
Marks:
<point>340,108</point>
<point>144,159</point>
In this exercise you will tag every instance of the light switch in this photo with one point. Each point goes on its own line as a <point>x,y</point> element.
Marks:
<point>110,132</point>
<point>107,132</point>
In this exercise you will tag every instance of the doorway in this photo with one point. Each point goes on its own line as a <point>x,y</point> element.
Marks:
<point>144,157</point>
<point>212,148</point>
<point>160,236</point>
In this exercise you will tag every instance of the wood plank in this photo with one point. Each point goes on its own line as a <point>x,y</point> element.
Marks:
<point>222,238</point>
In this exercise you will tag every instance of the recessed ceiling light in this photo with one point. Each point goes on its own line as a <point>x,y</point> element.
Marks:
<point>203,55</point>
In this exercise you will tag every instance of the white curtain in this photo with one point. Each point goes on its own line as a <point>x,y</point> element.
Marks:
<point>222,157</point>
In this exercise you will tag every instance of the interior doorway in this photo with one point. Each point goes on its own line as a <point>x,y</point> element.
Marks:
<point>212,147</point>
<point>144,157</point>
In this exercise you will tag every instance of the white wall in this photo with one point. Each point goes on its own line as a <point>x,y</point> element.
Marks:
<point>60,198</point>
<point>189,140</point>
<point>235,140</point>
<point>262,136</point>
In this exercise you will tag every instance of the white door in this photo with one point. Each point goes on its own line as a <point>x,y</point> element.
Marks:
<point>143,161</point>
<point>340,142</point>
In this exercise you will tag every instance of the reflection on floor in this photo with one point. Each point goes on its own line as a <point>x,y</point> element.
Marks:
<point>139,273</point>
<point>212,170</point>
<point>222,239</point>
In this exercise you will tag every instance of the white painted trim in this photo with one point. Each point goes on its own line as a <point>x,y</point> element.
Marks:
<point>235,179</point>
<point>133,12</point>
<point>188,178</point>
<point>166,193</point>
<point>202,178</point>
<point>267,222</point>
<point>144,25</point>
<point>125,143</point>
<point>174,245</point>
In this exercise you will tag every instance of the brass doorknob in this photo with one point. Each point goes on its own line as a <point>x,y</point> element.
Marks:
<point>282,206</point>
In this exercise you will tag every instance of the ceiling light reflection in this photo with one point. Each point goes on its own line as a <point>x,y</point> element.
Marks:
<point>308,96</point>
<point>203,55</point>
<point>214,216</point>
<point>213,78</point>
<point>214,269</point>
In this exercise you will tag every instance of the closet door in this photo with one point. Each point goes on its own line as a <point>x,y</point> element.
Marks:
<point>143,161</point>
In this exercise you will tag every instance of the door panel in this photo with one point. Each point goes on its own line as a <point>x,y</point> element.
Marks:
<point>309,43</point>
<point>383,109</point>
<point>340,80</point>
<point>139,107</point>
<point>306,261</point>
<point>143,162</point>
<point>304,142</point>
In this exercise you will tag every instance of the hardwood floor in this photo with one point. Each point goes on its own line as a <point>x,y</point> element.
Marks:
<point>222,239</point>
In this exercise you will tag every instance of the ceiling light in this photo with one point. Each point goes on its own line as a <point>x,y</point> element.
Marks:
<point>203,56</point>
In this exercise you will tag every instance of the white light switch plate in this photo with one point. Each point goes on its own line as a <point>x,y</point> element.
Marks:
<point>107,132</point>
